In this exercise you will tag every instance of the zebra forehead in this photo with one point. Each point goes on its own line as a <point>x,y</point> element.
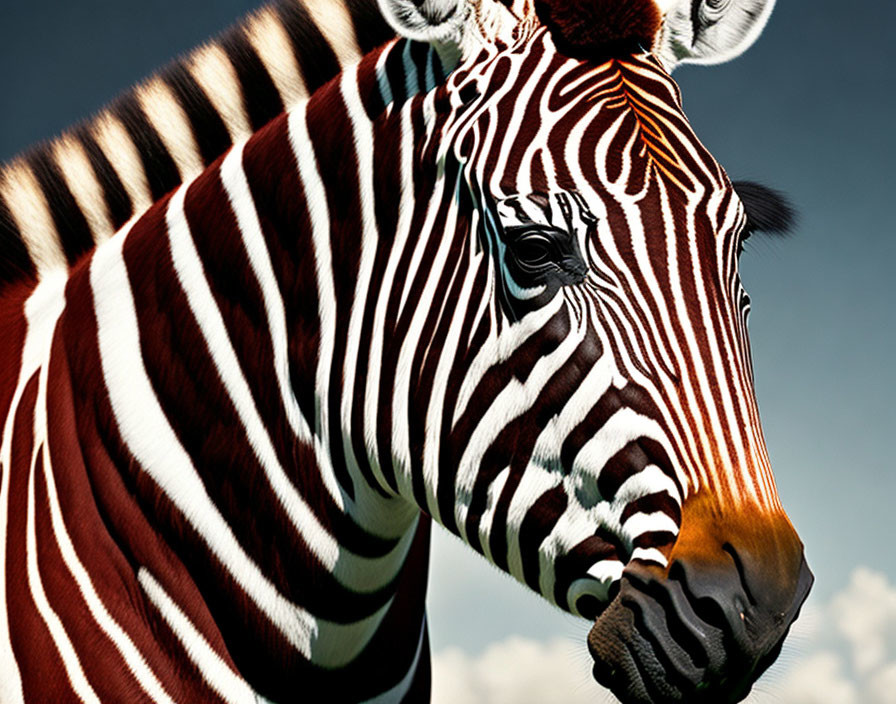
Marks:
<point>583,125</point>
<point>583,28</point>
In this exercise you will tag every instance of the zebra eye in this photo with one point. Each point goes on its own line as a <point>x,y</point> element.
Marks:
<point>543,255</point>
<point>533,250</point>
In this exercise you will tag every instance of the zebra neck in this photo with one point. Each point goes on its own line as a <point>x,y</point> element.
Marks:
<point>183,409</point>
<point>228,328</point>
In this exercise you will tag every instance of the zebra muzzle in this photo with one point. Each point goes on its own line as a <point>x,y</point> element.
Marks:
<point>707,626</point>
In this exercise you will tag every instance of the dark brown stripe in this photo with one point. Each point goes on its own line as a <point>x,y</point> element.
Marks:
<point>29,636</point>
<point>71,226</point>
<point>161,171</point>
<point>118,202</point>
<point>209,130</point>
<point>371,30</point>
<point>315,56</point>
<point>536,526</point>
<point>260,97</point>
<point>660,501</point>
<point>574,564</point>
<point>15,262</point>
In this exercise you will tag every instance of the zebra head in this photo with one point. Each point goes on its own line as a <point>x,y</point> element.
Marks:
<point>581,400</point>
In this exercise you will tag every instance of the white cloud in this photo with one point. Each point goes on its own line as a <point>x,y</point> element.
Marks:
<point>850,657</point>
<point>882,686</point>
<point>816,679</point>
<point>840,652</point>
<point>865,615</point>
<point>516,671</point>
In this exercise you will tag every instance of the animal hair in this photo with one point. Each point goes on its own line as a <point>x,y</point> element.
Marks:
<point>599,28</point>
<point>768,211</point>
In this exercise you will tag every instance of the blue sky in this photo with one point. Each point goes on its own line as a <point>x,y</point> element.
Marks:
<point>810,111</point>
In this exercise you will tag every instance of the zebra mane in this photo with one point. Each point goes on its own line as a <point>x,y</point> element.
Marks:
<point>62,197</point>
<point>591,28</point>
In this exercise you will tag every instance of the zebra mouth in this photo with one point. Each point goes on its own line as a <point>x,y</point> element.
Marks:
<point>645,656</point>
<point>656,644</point>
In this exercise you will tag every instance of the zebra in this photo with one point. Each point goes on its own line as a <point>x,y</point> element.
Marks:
<point>425,293</point>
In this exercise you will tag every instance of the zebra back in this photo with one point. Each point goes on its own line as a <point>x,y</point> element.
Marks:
<point>64,196</point>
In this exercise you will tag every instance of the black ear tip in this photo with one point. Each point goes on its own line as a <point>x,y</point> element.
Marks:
<point>768,211</point>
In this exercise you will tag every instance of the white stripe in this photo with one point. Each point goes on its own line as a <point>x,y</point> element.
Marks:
<point>384,517</point>
<point>319,215</point>
<point>497,350</point>
<point>42,310</point>
<point>649,480</point>
<point>270,41</point>
<point>213,71</point>
<point>436,410</point>
<point>513,401</point>
<point>118,147</point>
<point>411,344</point>
<point>382,78</point>
<point>650,555</point>
<point>362,139</point>
<point>399,446</point>
<point>219,676</point>
<point>168,118</point>
<point>576,523</point>
<point>72,664</point>
<point>335,24</point>
<point>70,661</point>
<point>606,569</point>
<point>154,445</point>
<point>639,523</point>
<point>486,523</point>
<point>237,187</point>
<point>190,274</point>
<point>85,187</point>
<point>601,576</point>
<point>401,393</point>
<point>624,426</point>
<point>31,213</point>
<point>337,644</point>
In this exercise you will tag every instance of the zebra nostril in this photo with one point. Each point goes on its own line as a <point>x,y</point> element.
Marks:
<point>741,573</point>
<point>703,596</point>
<point>588,606</point>
<point>744,604</point>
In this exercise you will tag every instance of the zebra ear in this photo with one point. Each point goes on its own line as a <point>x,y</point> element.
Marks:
<point>438,22</point>
<point>709,31</point>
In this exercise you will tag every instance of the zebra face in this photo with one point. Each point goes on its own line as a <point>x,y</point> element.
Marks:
<point>601,439</point>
